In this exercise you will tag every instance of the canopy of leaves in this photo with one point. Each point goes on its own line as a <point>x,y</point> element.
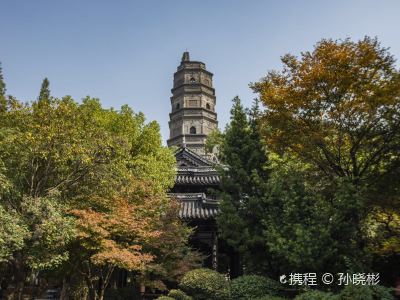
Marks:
<point>337,111</point>
<point>302,221</point>
<point>89,186</point>
<point>50,231</point>
<point>383,228</point>
<point>337,107</point>
<point>12,234</point>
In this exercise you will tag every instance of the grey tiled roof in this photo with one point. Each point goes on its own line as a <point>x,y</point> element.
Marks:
<point>188,157</point>
<point>196,206</point>
<point>211,179</point>
<point>195,172</point>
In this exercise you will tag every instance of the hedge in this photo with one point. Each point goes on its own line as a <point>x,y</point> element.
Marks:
<point>205,284</point>
<point>249,287</point>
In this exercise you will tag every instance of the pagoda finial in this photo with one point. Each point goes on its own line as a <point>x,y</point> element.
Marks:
<point>185,56</point>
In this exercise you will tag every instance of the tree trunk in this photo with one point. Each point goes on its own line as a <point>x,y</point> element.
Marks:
<point>65,289</point>
<point>92,294</point>
<point>19,290</point>
<point>18,271</point>
<point>101,294</point>
<point>78,288</point>
<point>4,284</point>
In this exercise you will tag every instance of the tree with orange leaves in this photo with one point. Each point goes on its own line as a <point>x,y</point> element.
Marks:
<point>337,107</point>
<point>113,239</point>
<point>137,233</point>
<point>336,110</point>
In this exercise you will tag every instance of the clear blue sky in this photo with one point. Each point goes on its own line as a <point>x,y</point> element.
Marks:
<point>126,51</point>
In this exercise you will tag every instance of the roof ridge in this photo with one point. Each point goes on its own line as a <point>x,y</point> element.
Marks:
<point>198,156</point>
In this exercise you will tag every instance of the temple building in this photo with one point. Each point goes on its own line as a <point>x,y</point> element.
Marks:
<point>192,118</point>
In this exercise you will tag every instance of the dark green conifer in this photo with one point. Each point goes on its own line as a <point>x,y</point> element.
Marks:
<point>3,101</point>
<point>44,90</point>
<point>2,84</point>
<point>243,183</point>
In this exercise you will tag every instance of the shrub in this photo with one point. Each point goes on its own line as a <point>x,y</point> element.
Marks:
<point>356,292</point>
<point>205,284</point>
<point>365,292</point>
<point>269,297</point>
<point>380,292</point>
<point>315,295</point>
<point>178,295</point>
<point>165,298</point>
<point>253,286</point>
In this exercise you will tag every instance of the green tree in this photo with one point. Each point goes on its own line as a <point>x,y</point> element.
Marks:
<point>12,234</point>
<point>337,107</point>
<point>65,162</point>
<point>44,90</point>
<point>214,142</point>
<point>2,83</point>
<point>242,184</point>
<point>337,110</point>
<point>306,228</point>
<point>3,102</point>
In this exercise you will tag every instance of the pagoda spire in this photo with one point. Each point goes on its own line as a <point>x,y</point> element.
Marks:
<point>185,57</point>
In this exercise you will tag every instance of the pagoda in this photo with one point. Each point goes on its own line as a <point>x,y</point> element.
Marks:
<point>192,119</point>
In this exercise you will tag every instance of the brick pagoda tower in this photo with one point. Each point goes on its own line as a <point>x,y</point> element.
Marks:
<point>193,101</point>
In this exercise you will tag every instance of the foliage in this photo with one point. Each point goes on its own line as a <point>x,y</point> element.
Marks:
<point>335,110</point>
<point>278,212</point>
<point>242,185</point>
<point>337,107</point>
<point>2,83</point>
<point>295,229</point>
<point>203,284</point>
<point>100,173</point>
<point>380,292</point>
<point>3,101</point>
<point>178,295</point>
<point>44,94</point>
<point>365,292</point>
<point>37,235</point>
<point>172,254</point>
<point>50,231</point>
<point>302,221</point>
<point>12,234</point>
<point>356,292</point>
<point>252,286</point>
<point>115,238</point>
<point>4,183</point>
<point>315,295</point>
<point>269,297</point>
<point>214,141</point>
<point>383,228</point>
<point>165,298</point>
<point>134,236</point>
